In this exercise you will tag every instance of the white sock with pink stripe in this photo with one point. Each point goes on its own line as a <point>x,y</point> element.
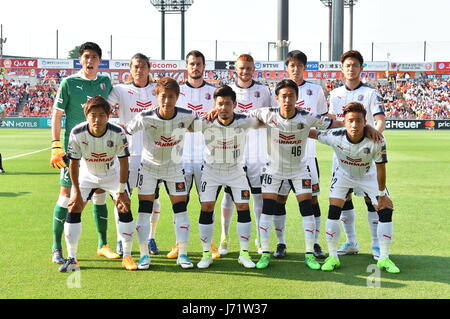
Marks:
<point>244,231</point>
<point>333,232</point>
<point>309,226</point>
<point>385,231</point>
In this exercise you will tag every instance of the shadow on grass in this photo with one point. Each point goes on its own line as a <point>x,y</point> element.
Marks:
<point>11,194</point>
<point>354,270</point>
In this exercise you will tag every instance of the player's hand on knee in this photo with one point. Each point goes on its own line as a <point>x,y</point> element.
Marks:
<point>57,159</point>
<point>123,202</point>
<point>385,202</point>
<point>76,203</point>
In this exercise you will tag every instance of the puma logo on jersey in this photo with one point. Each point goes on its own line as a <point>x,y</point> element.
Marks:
<point>79,87</point>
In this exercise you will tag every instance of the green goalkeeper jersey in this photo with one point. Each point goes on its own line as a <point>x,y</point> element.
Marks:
<point>73,94</point>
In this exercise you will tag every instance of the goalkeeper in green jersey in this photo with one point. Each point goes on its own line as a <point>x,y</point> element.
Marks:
<point>71,98</point>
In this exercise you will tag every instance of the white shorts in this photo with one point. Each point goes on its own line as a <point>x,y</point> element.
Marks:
<point>236,185</point>
<point>313,168</point>
<point>300,184</point>
<point>341,185</point>
<point>109,184</point>
<point>148,183</point>
<point>134,163</point>
<point>254,173</point>
<point>192,171</point>
<point>356,190</point>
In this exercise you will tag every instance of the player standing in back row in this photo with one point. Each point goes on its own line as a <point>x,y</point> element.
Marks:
<point>250,95</point>
<point>355,91</point>
<point>70,100</point>
<point>133,98</point>
<point>311,99</point>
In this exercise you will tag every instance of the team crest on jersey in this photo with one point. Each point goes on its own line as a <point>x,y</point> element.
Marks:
<point>309,92</point>
<point>109,143</point>
<point>300,126</point>
<point>257,94</point>
<point>181,125</point>
<point>366,150</point>
<point>208,96</point>
<point>361,98</point>
<point>180,187</point>
<point>103,86</point>
<point>306,183</point>
<point>245,194</point>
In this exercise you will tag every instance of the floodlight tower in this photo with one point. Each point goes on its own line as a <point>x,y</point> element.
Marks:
<point>171,7</point>
<point>336,26</point>
<point>2,40</point>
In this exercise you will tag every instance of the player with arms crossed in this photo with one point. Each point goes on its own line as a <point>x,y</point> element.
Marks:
<point>70,100</point>
<point>133,98</point>
<point>355,155</point>
<point>196,95</point>
<point>98,145</point>
<point>311,99</point>
<point>225,139</point>
<point>164,129</point>
<point>355,91</point>
<point>250,95</point>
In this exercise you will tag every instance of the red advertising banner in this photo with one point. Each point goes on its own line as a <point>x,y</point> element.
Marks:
<point>18,63</point>
<point>443,66</point>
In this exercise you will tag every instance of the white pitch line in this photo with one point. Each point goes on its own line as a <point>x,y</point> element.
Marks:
<point>21,155</point>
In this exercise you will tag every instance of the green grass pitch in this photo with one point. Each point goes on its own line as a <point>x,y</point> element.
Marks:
<point>418,180</point>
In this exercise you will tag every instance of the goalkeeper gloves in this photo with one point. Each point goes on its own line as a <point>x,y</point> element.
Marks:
<point>58,159</point>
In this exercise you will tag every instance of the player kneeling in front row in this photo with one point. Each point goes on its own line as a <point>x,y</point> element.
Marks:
<point>355,154</point>
<point>97,144</point>
<point>225,139</point>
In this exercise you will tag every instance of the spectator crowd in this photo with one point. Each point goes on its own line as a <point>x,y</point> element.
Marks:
<point>407,99</point>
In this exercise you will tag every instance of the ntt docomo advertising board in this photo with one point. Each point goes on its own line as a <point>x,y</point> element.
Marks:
<point>418,124</point>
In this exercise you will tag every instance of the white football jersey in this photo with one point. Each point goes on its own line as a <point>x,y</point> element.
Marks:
<point>254,97</point>
<point>312,99</point>
<point>225,145</point>
<point>98,155</point>
<point>132,100</point>
<point>163,139</point>
<point>363,94</point>
<point>354,159</point>
<point>201,101</point>
<point>286,139</point>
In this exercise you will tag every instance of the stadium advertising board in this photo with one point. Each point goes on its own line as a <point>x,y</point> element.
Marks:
<point>443,66</point>
<point>119,64</point>
<point>168,65</point>
<point>375,66</point>
<point>269,66</point>
<point>413,67</point>
<point>330,66</point>
<point>18,63</point>
<point>312,66</point>
<point>323,75</point>
<point>103,65</point>
<point>418,124</point>
<point>54,64</point>
<point>224,65</point>
<point>18,122</point>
